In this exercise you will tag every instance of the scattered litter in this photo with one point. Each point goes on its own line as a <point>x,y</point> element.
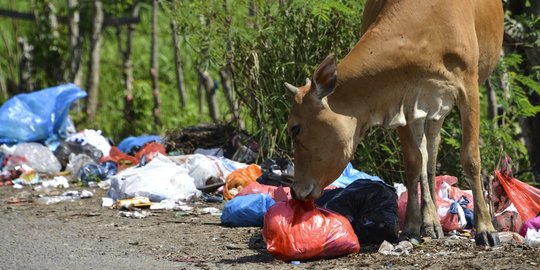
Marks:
<point>211,210</point>
<point>371,207</point>
<point>86,194</point>
<point>533,223</point>
<point>36,156</point>
<point>18,186</point>
<point>56,182</point>
<point>27,176</point>
<point>133,202</point>
<point>170,205</point>
<point>158,180</point>
<point>38,115</point>
<point>511,238</point>
<point>135,214</point>
<point>532,238</point>
<point>107,202</point>
<point>246,211</point>
<point>402,248</point>
<point>48,200</point>
<point>288,226</point>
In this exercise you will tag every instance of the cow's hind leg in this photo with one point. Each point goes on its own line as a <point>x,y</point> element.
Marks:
<point>469,109</point>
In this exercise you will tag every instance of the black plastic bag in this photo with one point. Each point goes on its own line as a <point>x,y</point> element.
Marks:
<point>370,206</point>
<point>63,151</point>
<point>277,172</point>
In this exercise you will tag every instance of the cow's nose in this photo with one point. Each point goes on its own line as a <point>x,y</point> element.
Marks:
<point>301,192</point>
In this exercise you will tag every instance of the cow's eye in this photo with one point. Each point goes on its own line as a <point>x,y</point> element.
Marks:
<point>295,130</point>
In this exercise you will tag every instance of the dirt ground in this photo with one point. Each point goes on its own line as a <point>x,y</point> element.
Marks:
<point>83,235</point>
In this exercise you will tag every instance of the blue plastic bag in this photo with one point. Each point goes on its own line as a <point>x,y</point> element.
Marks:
<point>36,116</point>
<point>246,211</point>
<point>129,143</point>
<point>350,175</point>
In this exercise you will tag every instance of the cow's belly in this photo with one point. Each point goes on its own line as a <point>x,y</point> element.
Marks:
<point>432,104</point>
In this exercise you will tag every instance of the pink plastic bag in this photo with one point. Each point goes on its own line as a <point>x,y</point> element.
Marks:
<point>533,223</point>
<point>283,193</point>
<point>451,193</point>
<point>295,230</point>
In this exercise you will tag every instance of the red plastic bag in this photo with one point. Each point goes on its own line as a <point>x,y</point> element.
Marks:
<point>295,230</point>
<point>123,161</point>
<point>526,198</point>
<point>150,150</point>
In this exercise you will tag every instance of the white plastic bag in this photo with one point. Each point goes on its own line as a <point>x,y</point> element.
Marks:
<point>201,168</point>
<point>92,137</point>
<point>532,238</point>
<point>37,156</point>
<point>158,180</point>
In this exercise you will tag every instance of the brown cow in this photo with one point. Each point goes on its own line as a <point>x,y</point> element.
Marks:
<point>415,60</point>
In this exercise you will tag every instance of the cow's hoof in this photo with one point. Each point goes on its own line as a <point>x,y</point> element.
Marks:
<point>433,230</point>
<point>487,239</point>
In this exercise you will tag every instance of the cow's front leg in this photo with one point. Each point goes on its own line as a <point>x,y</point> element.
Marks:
<point>411,156</point>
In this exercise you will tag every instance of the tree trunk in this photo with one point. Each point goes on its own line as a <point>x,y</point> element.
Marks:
<point>75,44</point>
<point>3,85</point>
<point>154,65</point>
<point>210,88</point>
<point>93,67</point>
<point>233,106</point>
<point>127,67</point>
<point>25,67</point>
<point>179,69</point>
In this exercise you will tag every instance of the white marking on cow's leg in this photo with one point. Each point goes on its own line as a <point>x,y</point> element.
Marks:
<point>411,158</point>
<point>433,129</point>
<point>469,109</point>
<point>430,220</point>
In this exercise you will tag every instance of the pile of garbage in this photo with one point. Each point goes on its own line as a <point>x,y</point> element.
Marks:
<point>40,147</point>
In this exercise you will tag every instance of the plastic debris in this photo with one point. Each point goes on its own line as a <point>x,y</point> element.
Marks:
<point>210,210</point>
<point>532,238</point>
<point>246,211</point>
<point>56,182</point>
<point>402,248</point>
<point>295,230</point>
<point>135,214</point>
<point>38,115</point>
<point>107,202</point>
<point>133,202</point>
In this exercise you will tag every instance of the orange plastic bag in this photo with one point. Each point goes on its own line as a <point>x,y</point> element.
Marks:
<point>239,179</point>
<point>295,230</point>
<point>526,198</point>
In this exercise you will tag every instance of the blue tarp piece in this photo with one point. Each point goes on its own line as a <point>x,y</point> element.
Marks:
<point>350,175</point>
<point>128,143</point>
<point>36,116</point>
<point>246,211</point>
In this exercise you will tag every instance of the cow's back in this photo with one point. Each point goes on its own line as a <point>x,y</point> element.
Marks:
<point>435,33</point>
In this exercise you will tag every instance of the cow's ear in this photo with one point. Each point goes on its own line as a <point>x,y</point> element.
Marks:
<point>325,77</point>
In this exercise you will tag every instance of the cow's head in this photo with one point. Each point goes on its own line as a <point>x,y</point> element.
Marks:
<point>323,139</point>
